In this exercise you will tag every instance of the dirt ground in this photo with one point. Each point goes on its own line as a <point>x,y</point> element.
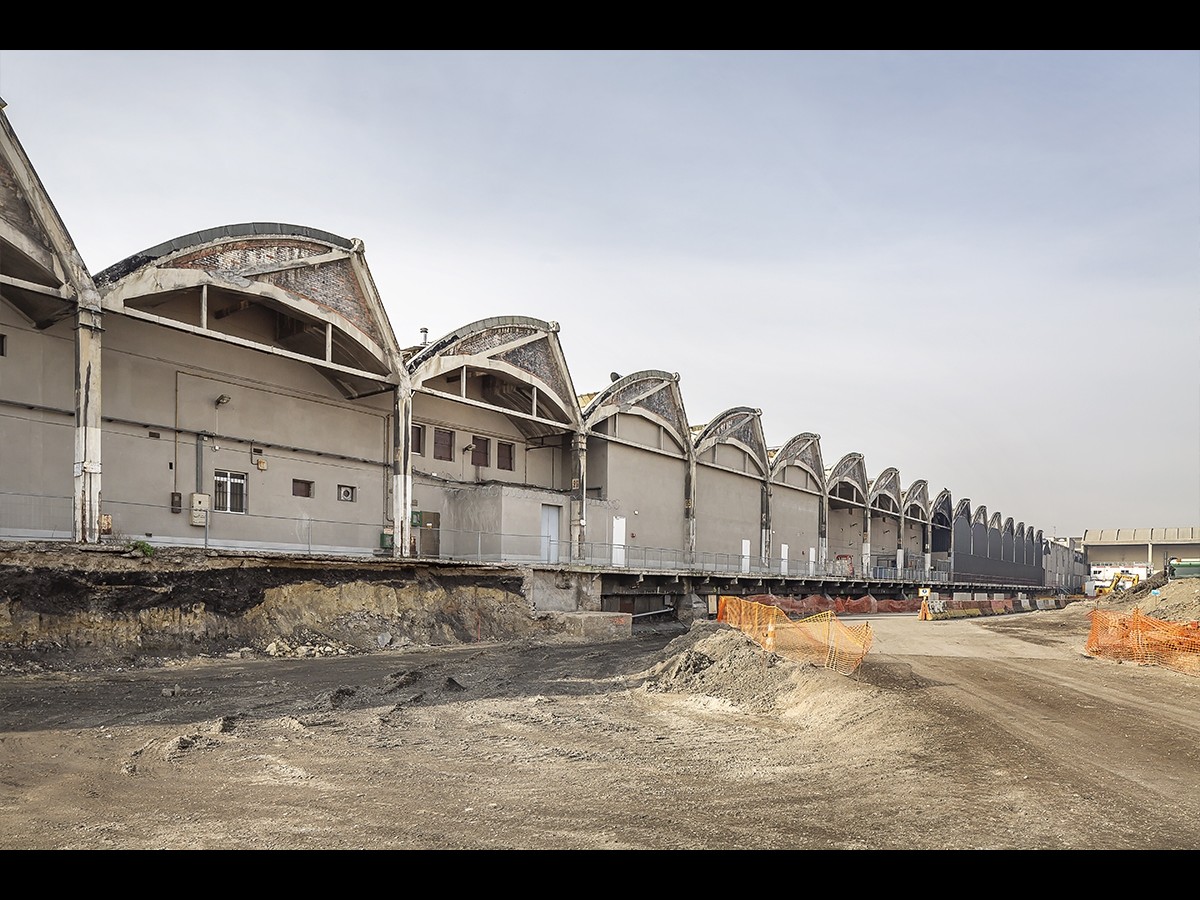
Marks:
<point>995,732</point>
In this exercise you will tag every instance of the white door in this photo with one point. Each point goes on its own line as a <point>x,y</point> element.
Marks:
<point>618,541</point>
<point>745,556</point>
<point>550,517</point>
<point>783,548</point>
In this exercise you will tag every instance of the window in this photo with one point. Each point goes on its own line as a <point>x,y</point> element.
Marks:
<point>443,444</point>
<point>230,492</point>
<point>504,455</point>
<point>301,488</point>
<point>347,493</point>
<point>3,345</point>
<point>481,451</point>
<point>418,440</point>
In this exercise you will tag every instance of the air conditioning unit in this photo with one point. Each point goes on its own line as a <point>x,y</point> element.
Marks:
<point>346,492</point>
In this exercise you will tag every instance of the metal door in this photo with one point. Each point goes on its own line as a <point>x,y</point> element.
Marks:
<point>618,541</point>
<point>429,538</point>
<point>550,519</point>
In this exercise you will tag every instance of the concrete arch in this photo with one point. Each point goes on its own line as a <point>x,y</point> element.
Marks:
<point>804,452</point>
<point>652,394</point>
<point>885,523</point>
<point>517,365</point>
<point>962,510</point>
<point>1007,541</point>
<point>979,533</point>
<point>499,381</point>
<point>847,480</point>
<point>995,539</point>
<point>884,492</point>
<point>797,504</point>
<point>848,516</point>
<point>640,467</point>
<point>916,501</point>
<point>942,509</point>
<point>732,472</point>
<point>288,289</point>
<point>45,281</point>
<point>916,532</point>
<point>962,534</point>
<point>740,426</point>
<point>941,525</point>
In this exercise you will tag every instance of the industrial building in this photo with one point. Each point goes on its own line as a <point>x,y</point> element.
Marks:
<point>242,387</point>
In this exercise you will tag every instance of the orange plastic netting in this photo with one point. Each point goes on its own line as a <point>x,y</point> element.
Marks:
<point>819,639</point>
<point>1150,642</point>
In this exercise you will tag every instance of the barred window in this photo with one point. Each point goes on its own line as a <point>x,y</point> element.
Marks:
<point>504,455</point>
<point>229,494</point>
<point>443,444</point>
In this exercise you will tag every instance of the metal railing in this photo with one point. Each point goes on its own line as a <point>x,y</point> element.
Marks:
<point>491,547</point>
<point>36,517</point>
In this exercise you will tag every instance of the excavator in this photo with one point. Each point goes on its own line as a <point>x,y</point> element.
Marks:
<point>1121,581</point>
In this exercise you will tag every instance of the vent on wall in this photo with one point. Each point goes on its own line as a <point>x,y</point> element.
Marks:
<point>347,493</point>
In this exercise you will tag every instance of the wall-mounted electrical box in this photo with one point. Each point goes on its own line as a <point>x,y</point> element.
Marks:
<point>201,504</point>
<point>176,502</point>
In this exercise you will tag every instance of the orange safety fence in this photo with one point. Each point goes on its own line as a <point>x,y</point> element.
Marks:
<point>819,639</point>
<point>1139,638</point>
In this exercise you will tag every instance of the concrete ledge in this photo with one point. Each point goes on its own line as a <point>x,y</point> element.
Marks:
<point>596,626</point>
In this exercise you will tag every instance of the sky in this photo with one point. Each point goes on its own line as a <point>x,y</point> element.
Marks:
<point>979,267</point>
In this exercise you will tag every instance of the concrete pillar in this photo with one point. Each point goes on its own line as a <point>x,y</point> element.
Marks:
<point>764,539</point>
<point>578,494</point>
<point>823,530</point>
<point>689,509</point>
<point>866,544</point>
<point>86,503</point>
<point>402,490</point>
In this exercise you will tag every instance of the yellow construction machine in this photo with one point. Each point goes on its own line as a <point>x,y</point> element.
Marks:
<point>1121,581</point>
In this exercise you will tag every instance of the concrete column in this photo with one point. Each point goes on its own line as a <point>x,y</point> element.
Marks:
<point>866,545</point>
<point>86,503</point>
<point>578,494</point>
<point>402,490</point>
<point>823,530</point>
<point>764,543</point>
<point>689,510</point>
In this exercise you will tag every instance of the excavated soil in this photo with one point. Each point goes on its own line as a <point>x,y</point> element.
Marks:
<point>996,732</point>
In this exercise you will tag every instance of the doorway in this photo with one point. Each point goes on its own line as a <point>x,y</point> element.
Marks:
<point>550,532</point>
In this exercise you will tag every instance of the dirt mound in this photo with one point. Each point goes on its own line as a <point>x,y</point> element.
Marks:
<point>717,661</point>
<point>1171,601</point>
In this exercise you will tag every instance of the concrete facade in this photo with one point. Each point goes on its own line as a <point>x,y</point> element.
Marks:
<point>242,387</point>
<point>1140,546</point>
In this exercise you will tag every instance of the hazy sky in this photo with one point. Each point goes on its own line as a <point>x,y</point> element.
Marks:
<point>982,268</point>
